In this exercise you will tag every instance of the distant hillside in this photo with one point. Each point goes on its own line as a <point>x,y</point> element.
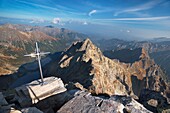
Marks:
<point>17,40</point>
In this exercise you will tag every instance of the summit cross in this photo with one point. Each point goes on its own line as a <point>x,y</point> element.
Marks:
<point>38,55</point>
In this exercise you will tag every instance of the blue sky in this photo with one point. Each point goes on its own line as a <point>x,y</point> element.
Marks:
<point>121,18</point>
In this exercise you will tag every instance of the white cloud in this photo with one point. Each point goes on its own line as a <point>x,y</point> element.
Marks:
<point>92,12</point>
<point>139,19</point>
<point>56,20</point>
<point>142,7</point>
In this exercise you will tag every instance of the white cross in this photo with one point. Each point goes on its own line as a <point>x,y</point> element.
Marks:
<point>38,55</point>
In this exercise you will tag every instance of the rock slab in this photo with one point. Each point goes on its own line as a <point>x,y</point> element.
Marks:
<point>33,92</point>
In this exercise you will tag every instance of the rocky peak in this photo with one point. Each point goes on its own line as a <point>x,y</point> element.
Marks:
<point>83,62</point>
<point>144,53</point>
<point>85,45</point>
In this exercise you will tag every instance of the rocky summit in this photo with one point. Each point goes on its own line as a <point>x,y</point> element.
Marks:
<point>83,66</point>
<point>85,102</point>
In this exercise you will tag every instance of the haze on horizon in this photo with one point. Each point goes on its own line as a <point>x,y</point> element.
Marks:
<point>135,20</point>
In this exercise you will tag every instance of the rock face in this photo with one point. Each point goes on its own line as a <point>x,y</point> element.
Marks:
<point>83,62</point>
<point>85,102</point>
<point>33,92</point>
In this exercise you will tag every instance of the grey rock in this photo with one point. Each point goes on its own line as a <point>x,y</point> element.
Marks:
<point>153,102</point>
<point>86,103</point>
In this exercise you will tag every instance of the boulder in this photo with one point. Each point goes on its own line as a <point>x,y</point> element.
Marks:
<point>152,102</point>
<point>35,91</point>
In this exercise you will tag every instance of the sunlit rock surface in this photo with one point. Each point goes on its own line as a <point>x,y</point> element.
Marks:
<point>35,91</point>
<point>83,62</point>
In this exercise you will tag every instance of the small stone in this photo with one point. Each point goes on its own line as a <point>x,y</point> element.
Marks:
<point>153,102</point>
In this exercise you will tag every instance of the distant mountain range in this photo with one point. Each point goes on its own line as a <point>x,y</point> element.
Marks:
<point>17,40</point>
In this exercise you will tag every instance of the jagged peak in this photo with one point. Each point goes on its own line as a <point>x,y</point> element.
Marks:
<point>85,45</point>
<point>144,53</point>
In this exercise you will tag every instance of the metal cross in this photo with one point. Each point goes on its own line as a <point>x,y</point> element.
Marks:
<point>38,55</point>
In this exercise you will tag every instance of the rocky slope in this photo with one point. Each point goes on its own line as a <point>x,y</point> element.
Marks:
<point>17,40</point>
<point>157,48</point>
